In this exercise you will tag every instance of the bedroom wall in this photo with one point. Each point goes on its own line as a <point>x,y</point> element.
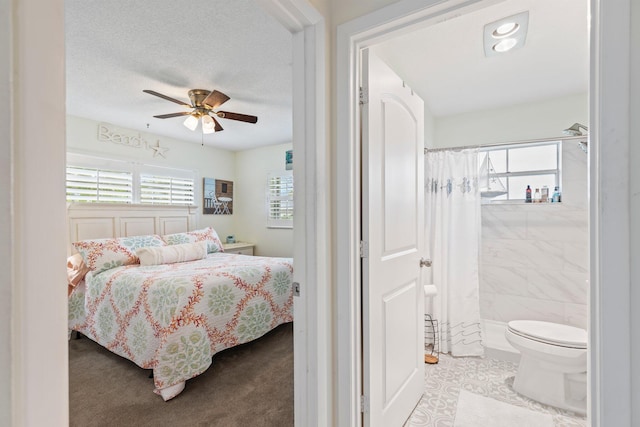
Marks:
<point>247,169</point>
<point>82,137</point>
<point>530,120</point>
<point>252,167</point>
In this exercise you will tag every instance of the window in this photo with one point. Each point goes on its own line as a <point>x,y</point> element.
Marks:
<point>94,179</point>
<point>95,185</point>
<point>514,167</point>
<point>280,200</point>
<point>166,190</point>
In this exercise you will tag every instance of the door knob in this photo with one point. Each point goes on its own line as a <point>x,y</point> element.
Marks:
<point>425,262</point>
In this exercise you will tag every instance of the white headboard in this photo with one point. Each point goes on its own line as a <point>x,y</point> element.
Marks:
<point>103,220</point>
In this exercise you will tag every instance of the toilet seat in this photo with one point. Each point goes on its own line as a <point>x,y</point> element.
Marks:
<point>550,333</point>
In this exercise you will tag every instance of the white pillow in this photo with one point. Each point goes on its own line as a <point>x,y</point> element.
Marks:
<point>207,234</point>
<point>172,254</point>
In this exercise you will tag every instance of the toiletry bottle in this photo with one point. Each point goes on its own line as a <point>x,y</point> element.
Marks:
<point>536,196</point>
<point>528,195</point>
<point>556,195</point>
<point>544,197</point>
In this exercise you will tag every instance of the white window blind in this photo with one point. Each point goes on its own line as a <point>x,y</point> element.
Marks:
<point>166,190</point>
<point>95,185</point>
<point>98,179</point>
<point>280,200</point>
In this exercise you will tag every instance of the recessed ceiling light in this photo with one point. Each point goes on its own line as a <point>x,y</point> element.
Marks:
<point>506,34</point>
<point>505,30</point>
<point>505,45</point>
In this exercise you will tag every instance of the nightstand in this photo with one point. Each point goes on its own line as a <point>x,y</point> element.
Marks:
<point>242,248</point>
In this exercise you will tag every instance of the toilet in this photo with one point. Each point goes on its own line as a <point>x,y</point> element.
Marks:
<point>553,363</point>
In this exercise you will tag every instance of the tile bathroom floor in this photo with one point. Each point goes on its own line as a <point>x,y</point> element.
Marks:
<point>485,377</point>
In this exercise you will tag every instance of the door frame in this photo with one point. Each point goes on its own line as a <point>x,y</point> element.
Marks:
<point>609,365</point>
<point>312,314</point>
<point>39,387</point>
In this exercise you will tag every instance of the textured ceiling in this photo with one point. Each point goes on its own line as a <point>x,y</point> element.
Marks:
<point>445,63</point>
<point>117,48</point>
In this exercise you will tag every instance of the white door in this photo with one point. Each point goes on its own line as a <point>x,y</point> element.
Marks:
<point>393,231</point>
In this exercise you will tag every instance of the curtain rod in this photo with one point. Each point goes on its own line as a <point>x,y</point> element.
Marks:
<point>498,144</point>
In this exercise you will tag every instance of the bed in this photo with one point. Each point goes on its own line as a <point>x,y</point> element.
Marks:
<point>168,302</point>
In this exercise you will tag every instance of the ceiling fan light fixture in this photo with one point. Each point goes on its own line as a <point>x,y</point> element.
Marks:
<point>203,104</point>
<point>208,126</point>
<point>191,122</point>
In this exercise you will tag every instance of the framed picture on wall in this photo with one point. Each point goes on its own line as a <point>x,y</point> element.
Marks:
<point>288,160</point>
<point>217,197</point>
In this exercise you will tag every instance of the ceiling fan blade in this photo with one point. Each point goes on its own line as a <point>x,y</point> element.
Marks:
<point>218,128</point>
<point>168,116</point>
<point>168,98</point>
<point>237,116</point>
<point>215,99</point>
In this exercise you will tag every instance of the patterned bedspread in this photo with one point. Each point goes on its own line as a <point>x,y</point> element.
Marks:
<point>173,318</point>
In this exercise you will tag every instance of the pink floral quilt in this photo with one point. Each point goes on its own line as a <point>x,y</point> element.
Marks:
<point>173,318</point>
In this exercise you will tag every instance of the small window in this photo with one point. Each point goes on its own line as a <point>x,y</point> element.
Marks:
<point>95,185</point>
<point>507,171</point>
<point>280,200</point>
<point>166,190</point>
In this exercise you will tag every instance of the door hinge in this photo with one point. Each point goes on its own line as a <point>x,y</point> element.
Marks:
<point>364,404</point>
<point>296,289</point>
<point>364,96</point>
<point>364,249</point>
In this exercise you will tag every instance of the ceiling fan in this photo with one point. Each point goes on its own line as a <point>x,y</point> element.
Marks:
<point>203,104</point>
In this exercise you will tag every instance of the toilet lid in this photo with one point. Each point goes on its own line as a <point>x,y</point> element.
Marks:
<point>552,333</point>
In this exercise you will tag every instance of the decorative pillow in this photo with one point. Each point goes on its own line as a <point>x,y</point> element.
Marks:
<point>208,235</point>
<point>76,269</point>
<point>172,253</point>
<point>103,254</point>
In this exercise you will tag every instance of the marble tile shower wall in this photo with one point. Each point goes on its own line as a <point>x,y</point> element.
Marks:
<point>534,261</point>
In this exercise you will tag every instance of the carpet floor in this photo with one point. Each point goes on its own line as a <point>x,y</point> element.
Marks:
<point>251,384</point>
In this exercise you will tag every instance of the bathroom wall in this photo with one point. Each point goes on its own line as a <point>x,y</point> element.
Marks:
<point>532,120</point>
<point>534,257</point>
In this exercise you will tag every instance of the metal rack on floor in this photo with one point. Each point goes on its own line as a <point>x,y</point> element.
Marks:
<point>431,339</point>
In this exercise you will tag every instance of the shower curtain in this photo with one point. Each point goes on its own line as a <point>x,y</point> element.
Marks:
<point>453,236</point>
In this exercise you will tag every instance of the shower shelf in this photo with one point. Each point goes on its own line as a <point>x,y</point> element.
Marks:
<point>520,203</point>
